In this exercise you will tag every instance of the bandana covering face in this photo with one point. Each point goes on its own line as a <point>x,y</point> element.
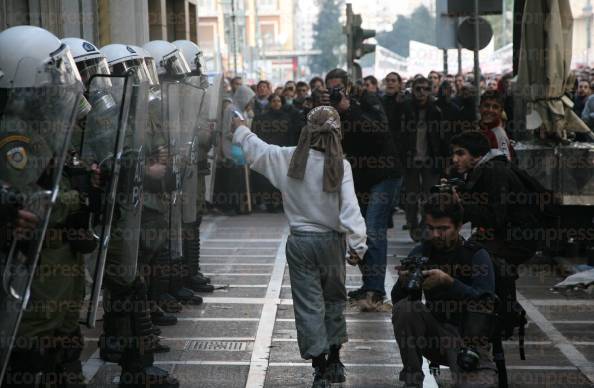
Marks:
<point>321,132</point>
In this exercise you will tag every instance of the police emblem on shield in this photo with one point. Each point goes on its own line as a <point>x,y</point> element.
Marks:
<point>17,158</point>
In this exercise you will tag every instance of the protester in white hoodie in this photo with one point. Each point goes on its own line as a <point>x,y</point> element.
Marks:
<point>319,201</point>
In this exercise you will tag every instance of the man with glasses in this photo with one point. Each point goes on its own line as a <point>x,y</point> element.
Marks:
<point>423,148</point>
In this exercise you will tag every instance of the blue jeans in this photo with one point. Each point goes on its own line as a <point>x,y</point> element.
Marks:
<point>377,215</point>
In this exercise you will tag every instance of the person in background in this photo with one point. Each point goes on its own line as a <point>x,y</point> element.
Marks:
<point>435,79</point>
<point>423,148</point>
<point>459,83</point>
<point>492,85</point>
<point>236,82</point>
<point>263,91</point>
<point>302,92</point>
<point>491,123</point>
<point>581,96</point>
<point>315,83</point>
<point>289,95</point>
<point>371,84</point>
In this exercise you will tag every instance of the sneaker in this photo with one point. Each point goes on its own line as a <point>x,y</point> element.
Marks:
<point>357,294</point>
<point>335,372</point>
<point>371,302</point>
<point>320,380</point>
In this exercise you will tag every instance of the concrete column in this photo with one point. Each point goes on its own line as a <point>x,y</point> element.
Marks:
<point>157,19</point>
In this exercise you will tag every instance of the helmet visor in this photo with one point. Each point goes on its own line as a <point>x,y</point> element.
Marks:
<point>176,64</point>
<point>90,67</point>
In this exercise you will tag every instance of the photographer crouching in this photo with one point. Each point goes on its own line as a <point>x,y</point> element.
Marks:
<point>454,326</point>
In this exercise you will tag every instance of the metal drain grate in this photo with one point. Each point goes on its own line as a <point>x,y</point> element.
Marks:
<point>218,346</point>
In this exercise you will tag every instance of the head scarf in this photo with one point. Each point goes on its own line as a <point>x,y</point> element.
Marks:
<point>321,132</point>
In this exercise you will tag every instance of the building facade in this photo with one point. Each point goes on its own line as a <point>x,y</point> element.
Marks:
<point>106,21</point>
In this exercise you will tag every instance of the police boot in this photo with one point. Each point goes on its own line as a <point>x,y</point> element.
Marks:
<point>126,313</point>
<point>182,294</point>
<point>161,269</point>
<point>160,317</point>
<point>140,346</point>
<point>69,366</point>
<point>194,279</point>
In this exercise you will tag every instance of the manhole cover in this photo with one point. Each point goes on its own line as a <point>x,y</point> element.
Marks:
<point>218,346</point>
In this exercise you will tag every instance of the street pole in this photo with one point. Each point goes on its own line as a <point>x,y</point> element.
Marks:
<point>234,38</point>
<point>445,62</point>
<point>477,69</point>
<point>588,11</point>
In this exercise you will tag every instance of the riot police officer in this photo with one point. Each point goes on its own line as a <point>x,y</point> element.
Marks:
<point>41,97</point>
<point>165,218</point>
<point>194,278</point>
<point>129,337</point>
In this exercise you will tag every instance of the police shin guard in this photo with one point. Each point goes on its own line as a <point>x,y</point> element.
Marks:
<point>127,324</point>
<point>160,277</point>
<point>193,278</point>
<point>127,316</point>
<point>69,365</point>
<point>177,289</point>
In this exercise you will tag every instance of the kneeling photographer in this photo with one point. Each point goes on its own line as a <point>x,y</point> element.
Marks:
<point>454,326</point>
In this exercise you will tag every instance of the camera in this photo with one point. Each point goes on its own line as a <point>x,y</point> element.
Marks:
<point>415,267</point>
<point>448,187</point>
<point>335,95</point>
<point>468,359</point>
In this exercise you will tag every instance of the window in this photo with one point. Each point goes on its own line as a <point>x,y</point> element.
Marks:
<point>206,36</point>
<point>268,33</point>
<point>208,7</point>
<point>267,5</point>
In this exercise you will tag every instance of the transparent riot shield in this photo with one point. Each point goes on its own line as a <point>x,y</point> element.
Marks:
<point>172,95</point>
<point>191,109</point>
<point>102,144</point>
<point>212,110</point>
<point>35,130</point>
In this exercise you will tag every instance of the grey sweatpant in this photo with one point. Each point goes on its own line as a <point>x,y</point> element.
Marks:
<point>317,268</point>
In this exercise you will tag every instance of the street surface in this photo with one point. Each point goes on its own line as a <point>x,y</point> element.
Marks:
<point>244,336</point>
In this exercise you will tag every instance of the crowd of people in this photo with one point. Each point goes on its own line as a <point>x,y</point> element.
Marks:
<point>128,162</point>
<point>418,144</point>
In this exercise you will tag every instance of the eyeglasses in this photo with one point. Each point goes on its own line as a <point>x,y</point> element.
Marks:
<point>422,89</point>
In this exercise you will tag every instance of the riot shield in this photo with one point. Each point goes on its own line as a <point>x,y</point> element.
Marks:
<point>172,95</point>
<point>35,130</point>
<point>213,112</point>
<point>103,144</point>
<point>191,109</point>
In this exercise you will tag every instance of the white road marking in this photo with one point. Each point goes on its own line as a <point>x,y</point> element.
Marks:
<point>261,353</point>
<point>559,340</point>
<point>236,274</point>
<point>92,365</point>
<point>236,264</point>
<point>234,255</point>
<point>218,319</point>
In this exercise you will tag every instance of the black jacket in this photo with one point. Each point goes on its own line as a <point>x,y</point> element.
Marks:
<point>437,147</point>
<point>474,278</point>
<point>497,203</point>
<point>369,147</point>
<point>280,127</point>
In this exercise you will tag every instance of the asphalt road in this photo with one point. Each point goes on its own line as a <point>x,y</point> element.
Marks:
<point>244,334</point>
